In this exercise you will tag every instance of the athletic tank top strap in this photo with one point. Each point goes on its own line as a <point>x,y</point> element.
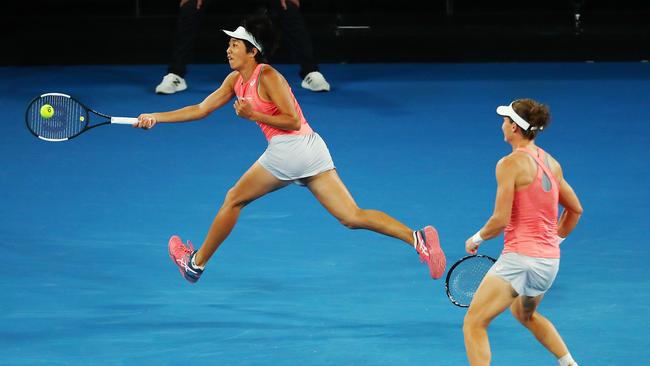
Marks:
<point>249,90</point>
<point>541,160</point>
<point>256,74</point>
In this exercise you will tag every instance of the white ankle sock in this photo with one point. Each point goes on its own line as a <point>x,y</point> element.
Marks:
<point>196,265</point>
<point>567,360</point>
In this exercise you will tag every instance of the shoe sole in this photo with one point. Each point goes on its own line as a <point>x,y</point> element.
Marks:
<point>305,86</point>
<point>171,92</point>
<point>437,259</point>
<point>317,90</point>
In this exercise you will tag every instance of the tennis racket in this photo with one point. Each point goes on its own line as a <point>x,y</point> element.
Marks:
<point>465,276</point>
<point>59,117</point>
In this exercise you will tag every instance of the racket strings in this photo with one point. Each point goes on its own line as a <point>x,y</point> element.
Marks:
<point>466,277</point>
<point>68,120</point>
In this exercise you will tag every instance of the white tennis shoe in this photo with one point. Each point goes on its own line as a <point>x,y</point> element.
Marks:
<point>171,84</point>
<point>315,81</point>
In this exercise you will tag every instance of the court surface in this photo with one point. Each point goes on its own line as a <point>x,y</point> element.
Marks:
<point>86,279</point>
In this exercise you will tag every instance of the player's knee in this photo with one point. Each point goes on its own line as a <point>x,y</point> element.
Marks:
<point>525,318</point>
<point>518,314</point>
<point>233,199</point>
<point>352,219</point>
<point>472,321</point>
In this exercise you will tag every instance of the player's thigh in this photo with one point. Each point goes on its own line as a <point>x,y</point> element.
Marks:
<point>492,297</point>
<point>329,190</point>
<point>253,184</point>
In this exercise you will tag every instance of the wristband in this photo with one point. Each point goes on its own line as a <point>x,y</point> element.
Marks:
<point>477,239</point>
<point>560,240</point>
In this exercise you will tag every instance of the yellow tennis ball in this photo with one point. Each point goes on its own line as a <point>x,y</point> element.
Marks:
<point>47,111</point>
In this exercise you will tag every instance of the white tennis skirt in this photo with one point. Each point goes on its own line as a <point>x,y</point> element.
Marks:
<point>293,157</point>
<point>529,276</point>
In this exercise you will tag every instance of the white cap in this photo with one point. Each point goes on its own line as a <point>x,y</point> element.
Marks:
<point>242,33</point>
<point>508,111</point>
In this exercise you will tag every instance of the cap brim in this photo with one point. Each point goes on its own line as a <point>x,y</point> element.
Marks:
<point>508,111</point>
<point>503,110</point>
<point>243,34</point>
<point>232,34</point>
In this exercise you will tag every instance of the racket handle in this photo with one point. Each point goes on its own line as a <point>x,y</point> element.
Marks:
<point>123,120</point>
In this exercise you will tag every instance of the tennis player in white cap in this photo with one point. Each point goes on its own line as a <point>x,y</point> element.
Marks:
<point>295,154</point>
<point>530,185</point>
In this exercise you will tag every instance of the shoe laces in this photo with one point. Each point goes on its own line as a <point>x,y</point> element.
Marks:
<point>315,77</point>
<point>171,78</point>
<point>183,249</point>
<point>184,259</point>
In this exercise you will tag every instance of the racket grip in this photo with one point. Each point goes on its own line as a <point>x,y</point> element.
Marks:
<point>124,120</point>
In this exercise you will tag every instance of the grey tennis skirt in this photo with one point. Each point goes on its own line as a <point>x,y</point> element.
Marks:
<point>293,157</point>
<point>529,276</point>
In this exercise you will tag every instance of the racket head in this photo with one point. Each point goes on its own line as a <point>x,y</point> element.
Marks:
<point>465,276</point>
<point>70,117</point>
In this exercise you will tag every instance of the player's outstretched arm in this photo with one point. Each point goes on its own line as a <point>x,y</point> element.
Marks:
<point>194,112</point>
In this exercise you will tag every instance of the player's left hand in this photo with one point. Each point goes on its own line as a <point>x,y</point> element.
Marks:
<point>470,246</point>
<point>243,108</point>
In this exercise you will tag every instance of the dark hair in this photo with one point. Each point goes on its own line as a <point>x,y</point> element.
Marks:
<point>261,27</point>
<point>535,113</point>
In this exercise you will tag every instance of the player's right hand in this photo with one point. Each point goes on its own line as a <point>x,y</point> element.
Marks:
<point>471,247</point>
<point>145,121</point>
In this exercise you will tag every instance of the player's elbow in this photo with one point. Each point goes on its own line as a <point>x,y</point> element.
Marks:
<point>200,112</point>
<point>296,123</point>
<point>574,210</point>
<point>578,210</point>
<point>499,223</point>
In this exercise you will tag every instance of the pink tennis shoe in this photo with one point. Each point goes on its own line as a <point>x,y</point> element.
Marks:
<point>181,255</point>
<point>428,247</point>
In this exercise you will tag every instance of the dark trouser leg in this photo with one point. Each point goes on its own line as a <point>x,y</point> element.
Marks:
<point>294,30</point>
<point>187,28</point>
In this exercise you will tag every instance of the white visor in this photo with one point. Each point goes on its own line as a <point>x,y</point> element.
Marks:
<point>508,111</point>
<point>242,33</point>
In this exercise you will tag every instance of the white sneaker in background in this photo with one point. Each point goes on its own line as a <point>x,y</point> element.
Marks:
<point>315,81</point>
<point>171,84</point>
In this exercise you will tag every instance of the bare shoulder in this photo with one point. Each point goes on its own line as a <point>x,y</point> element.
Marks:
<point>552,160</point>
<point>508,163</point>
<point>231,78</point>
<point>514,159</point>
<point>269,73</point>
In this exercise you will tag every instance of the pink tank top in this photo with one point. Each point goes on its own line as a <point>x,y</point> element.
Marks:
<point>248,90</point>
<point>532,230</point>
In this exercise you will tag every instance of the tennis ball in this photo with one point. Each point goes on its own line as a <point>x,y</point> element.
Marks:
<point>47,111</point>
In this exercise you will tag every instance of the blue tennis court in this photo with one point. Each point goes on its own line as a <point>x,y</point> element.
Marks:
<point>87,280</point>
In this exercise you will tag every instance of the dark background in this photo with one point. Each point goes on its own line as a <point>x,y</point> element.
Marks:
<point>40,32</point>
